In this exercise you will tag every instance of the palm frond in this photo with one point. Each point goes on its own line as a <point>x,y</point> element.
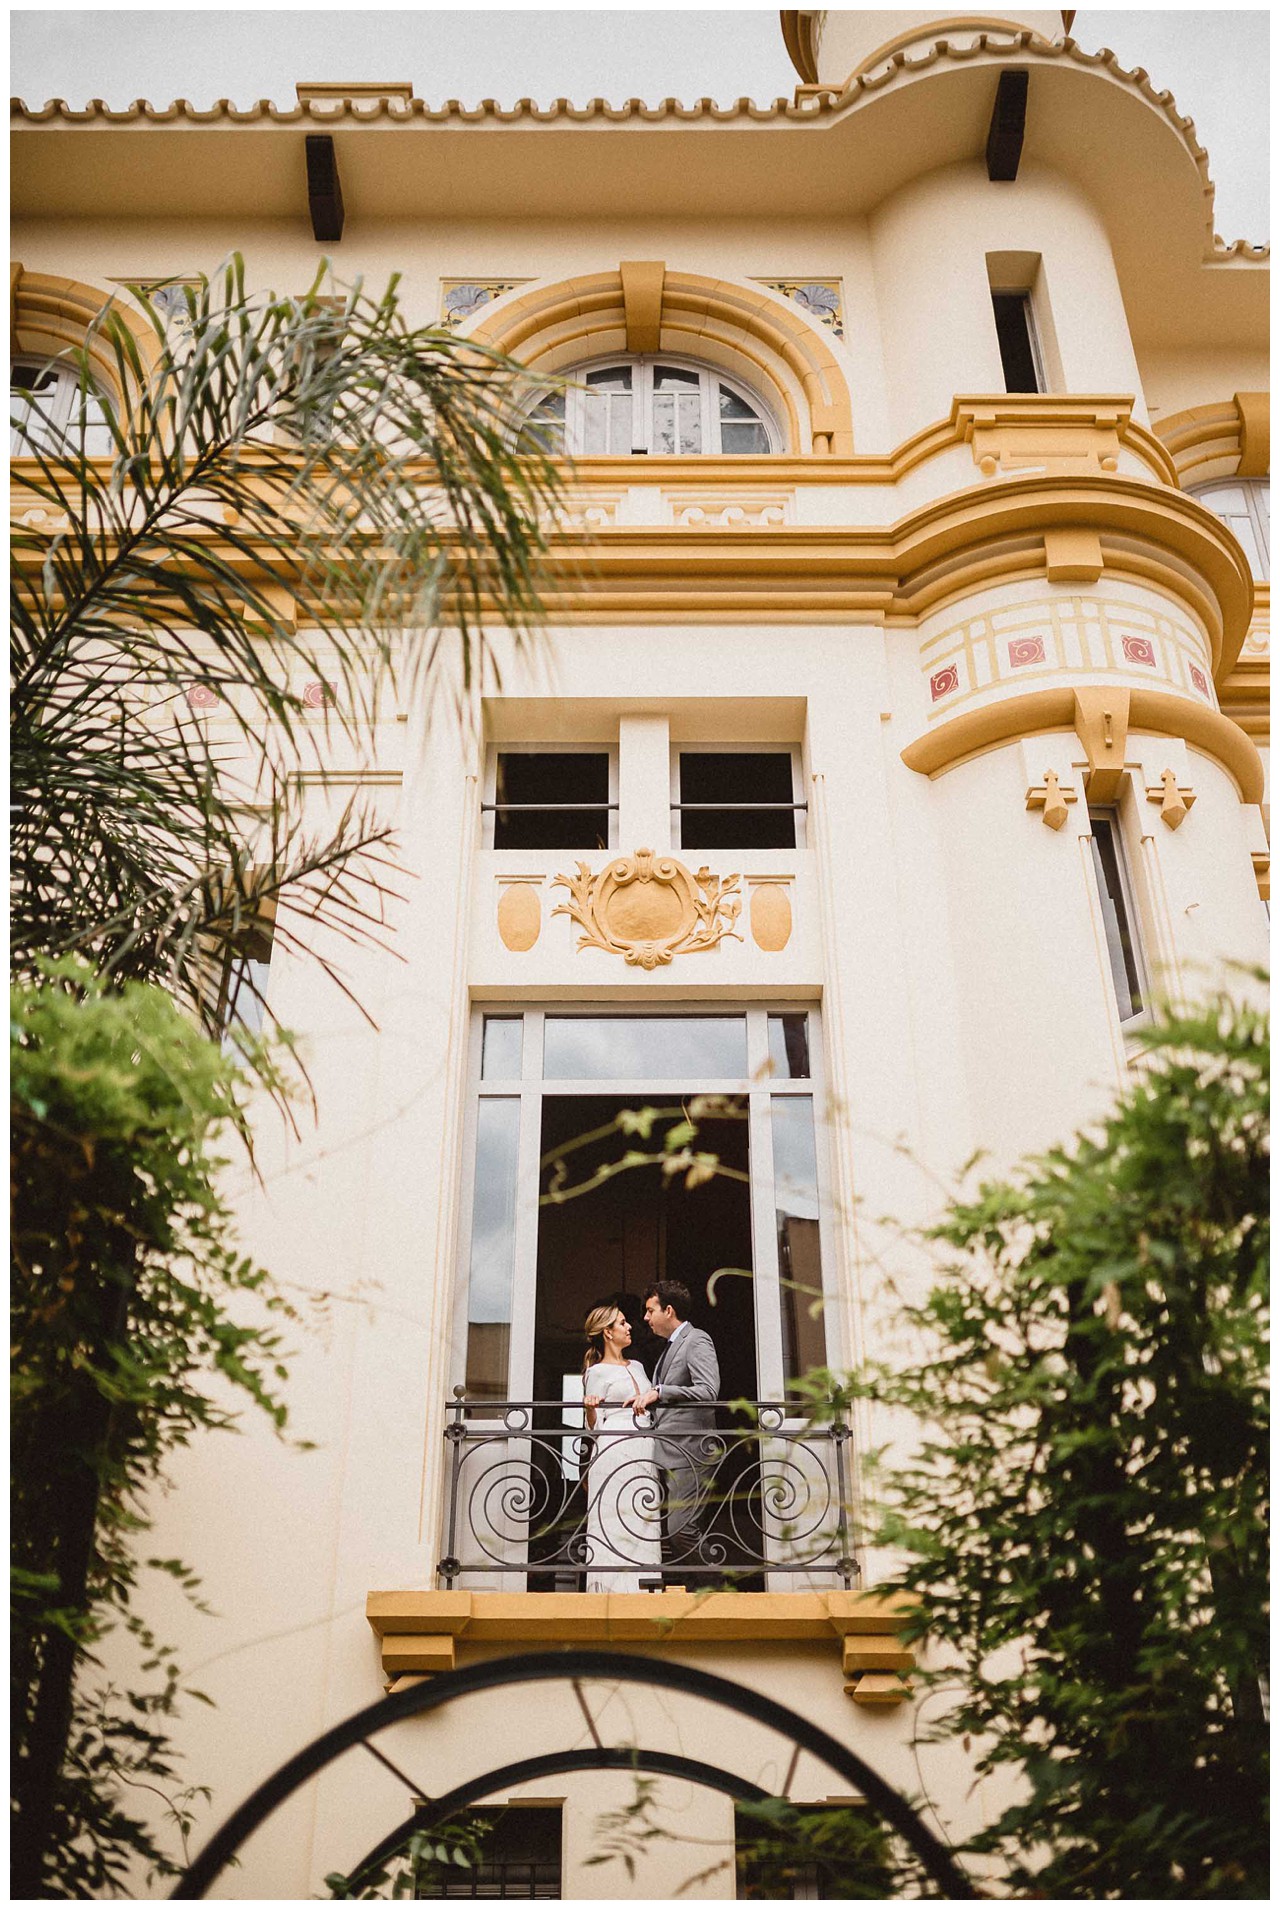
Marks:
<point>301,491</point>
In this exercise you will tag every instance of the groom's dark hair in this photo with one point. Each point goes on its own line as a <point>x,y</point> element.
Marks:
<point>671,1293</point>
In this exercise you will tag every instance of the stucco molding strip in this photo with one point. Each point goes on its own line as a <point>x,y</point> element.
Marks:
<point>1151,710</point>
<point>995,534</point>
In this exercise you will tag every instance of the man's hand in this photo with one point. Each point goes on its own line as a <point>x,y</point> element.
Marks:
<point>643,1401</point>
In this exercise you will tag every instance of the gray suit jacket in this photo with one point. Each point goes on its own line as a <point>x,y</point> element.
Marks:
<point>689,1381</point>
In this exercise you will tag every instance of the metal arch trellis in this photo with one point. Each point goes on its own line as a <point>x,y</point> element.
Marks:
<point>538,1667</point>
<point>554,1764</point>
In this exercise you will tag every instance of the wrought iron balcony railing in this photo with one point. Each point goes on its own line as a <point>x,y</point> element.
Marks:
<point>534,1497</point>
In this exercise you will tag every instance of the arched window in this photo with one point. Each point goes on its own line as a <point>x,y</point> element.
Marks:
<point>656,407</point>
<point>48,410</point>
<point>1244,505</point>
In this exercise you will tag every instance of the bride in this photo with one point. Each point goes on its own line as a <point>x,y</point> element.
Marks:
<point>624,1532</point>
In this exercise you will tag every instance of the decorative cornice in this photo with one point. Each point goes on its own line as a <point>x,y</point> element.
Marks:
<point>820,106</point>
<point>995,533</point>
<point>1016,716</point>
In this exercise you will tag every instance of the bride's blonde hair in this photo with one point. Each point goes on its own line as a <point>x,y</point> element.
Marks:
<point>593,1326</point>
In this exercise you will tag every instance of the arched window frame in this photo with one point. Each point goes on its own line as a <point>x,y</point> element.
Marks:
<point>631,429</point>
<point>50,405</point>
<point>1247,516</point>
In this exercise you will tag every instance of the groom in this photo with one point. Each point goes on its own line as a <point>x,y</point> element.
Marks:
<point>685,1389</point>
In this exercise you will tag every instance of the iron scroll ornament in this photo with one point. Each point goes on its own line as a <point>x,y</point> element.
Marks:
<point>538,1667</point>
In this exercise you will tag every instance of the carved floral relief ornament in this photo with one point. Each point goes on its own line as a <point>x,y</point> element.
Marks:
<point>648,908</point>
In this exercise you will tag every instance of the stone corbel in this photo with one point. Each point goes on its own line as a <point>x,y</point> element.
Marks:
<point>1051,799</point>
<point>1261,859</point>
<point>1102,724</point>
<point>1174,799</point>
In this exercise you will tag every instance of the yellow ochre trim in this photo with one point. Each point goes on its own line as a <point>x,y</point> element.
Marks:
<point>1233,435</point>
<point>420,1632</point>
<point>638,1618</point>
<point>1017,716</point>
<point>52,316</point>
<point>549,325</point>
<point>776,573</point>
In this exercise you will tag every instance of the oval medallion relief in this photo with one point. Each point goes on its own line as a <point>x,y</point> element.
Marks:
<point>519,915</point>
<point>770,916</point>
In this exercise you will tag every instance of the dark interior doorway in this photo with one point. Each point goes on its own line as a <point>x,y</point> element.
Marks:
<point>635,1227</point>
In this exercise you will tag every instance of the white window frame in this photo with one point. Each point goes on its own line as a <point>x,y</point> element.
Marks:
<point>759,1087</point>
<point>715,748</point>
<point>490,786</point>
<point>55,413</point>
<point>1256,514</point>
<point>642,367</point>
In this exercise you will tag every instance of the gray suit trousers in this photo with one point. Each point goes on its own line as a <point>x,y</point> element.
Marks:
<point>688,1379</point>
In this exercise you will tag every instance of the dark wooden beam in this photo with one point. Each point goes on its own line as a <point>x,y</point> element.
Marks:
<point>324,188</point>
<point>1008,124</point>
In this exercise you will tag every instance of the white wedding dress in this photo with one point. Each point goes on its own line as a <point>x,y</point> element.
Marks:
<point>624,1499</point>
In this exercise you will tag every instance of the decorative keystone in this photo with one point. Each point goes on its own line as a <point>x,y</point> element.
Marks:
<point>1174,801</point>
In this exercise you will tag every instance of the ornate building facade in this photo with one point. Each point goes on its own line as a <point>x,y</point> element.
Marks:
<point>899,733</point>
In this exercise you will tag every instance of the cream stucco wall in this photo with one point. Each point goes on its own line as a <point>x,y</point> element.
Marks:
<point>950,941</point>
<point>929,245</point>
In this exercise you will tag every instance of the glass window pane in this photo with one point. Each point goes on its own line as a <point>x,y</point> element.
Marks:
<point>741,428</point>
<point>1250,542</point>
<point>502,1049</point>
<point>742,440</point>
<point>689,412</point>
<point>732,406</point>
<point>747,783</point>
<point>789,1047</point>
<point>544,427</point>
<point>607,412</point>
<point>557,800</point>
<point>664,425</point>
<point>92,420</point>
<point>493,1247</point>
<point>795,1181</point>
<point>698,1048</point>
<point>1115,916</point>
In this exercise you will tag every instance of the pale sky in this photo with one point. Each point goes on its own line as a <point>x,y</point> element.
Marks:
<point>1214,63</point>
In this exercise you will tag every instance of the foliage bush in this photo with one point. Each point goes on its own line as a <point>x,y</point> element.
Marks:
<point>1085,1521</point>
<point>131,1331</point>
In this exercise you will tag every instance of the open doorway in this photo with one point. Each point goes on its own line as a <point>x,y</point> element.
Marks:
<point>638,1226</point>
